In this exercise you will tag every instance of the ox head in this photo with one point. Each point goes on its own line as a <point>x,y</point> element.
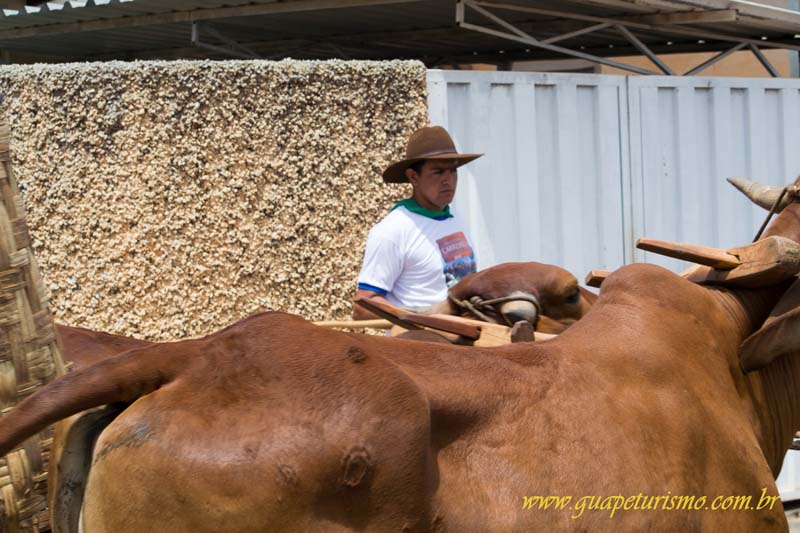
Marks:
<point>544,295</point>
<point>780,333</point>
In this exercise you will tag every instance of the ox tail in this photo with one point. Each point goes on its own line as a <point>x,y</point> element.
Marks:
<point>119,379</point>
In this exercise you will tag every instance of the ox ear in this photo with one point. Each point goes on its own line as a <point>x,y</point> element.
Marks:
<point>776,338</point>
<point>780,334</point>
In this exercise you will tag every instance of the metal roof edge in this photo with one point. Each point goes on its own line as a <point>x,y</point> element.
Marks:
<point>53,7</point>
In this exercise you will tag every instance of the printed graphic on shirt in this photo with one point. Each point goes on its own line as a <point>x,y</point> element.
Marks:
<point>459,260</point>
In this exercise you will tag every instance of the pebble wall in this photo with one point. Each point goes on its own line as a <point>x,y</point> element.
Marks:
<point>170,199</point>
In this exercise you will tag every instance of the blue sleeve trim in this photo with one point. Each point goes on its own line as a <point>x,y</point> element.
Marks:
<point>367,287</point>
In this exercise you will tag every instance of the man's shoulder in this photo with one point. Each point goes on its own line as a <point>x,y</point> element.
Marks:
<point>394,222</point>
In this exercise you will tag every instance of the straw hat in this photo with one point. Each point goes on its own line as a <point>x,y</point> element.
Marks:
<point>430,142</point>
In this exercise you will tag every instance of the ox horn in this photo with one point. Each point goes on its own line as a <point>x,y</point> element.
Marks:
<point>763,195</point>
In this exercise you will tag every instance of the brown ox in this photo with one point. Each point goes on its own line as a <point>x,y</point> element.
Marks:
<point>274,424</point>
<point>560,301</point>
<point>535,292</point>
<point>547,296</point>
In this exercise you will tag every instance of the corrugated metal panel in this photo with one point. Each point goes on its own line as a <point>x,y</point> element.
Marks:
<point>789,479</point>
<point>688,135</point>
<point>556,163</point>
<point>550,187</point>
<point>557,185</point>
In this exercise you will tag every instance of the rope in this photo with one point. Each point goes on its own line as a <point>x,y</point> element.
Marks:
<point>476,305</point>
<point>792,190</point>
<point>771,213</point>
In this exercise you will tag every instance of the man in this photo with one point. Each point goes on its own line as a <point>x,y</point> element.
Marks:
<point>420,248</point>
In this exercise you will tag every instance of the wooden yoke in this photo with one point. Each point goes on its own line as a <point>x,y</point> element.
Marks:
<point>387,312</point>
<point>354,324</point>
<point>482,333</point>
<point>763,263</point>
<point>760,264</point>
<point>702,255</point>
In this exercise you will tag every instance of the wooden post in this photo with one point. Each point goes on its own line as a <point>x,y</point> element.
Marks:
<point>354,324</point>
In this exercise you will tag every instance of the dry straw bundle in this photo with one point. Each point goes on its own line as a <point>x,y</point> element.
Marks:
<point>29,356</point>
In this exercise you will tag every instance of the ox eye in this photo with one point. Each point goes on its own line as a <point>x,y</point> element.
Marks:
<point>574,297</point>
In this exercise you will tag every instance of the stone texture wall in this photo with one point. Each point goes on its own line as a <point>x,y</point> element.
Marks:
<point>170,199</point>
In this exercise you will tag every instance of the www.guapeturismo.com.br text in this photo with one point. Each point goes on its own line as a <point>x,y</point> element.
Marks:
<point>640,502</point>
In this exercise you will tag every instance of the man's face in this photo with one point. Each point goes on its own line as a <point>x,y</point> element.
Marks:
<point>435,185</point>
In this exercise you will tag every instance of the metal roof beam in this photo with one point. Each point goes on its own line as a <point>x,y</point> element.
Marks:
<point>406,40</point>
<point>687,17</point>
<point>765,62</point>
<point>379,46</point>
<point>520,36</point>
<point>673,29</point>
<point>495,18</point>
<point>620,4</point>
<point>576,33</point>
<point>645,50</point>
<point>717,58</point>
<point>192,16</point>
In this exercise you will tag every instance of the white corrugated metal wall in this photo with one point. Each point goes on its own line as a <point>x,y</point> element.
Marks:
<point>688,135</point>
<point>578,167</point>
<point>550,187</point>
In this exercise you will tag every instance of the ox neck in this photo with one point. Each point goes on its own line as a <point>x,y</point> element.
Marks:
<point>780,381</point>
<point>771,390</point>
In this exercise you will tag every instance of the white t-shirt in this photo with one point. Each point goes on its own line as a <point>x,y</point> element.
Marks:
<point>412,260</point>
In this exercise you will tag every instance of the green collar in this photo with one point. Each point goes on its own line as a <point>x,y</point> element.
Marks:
<point>414,207</point>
